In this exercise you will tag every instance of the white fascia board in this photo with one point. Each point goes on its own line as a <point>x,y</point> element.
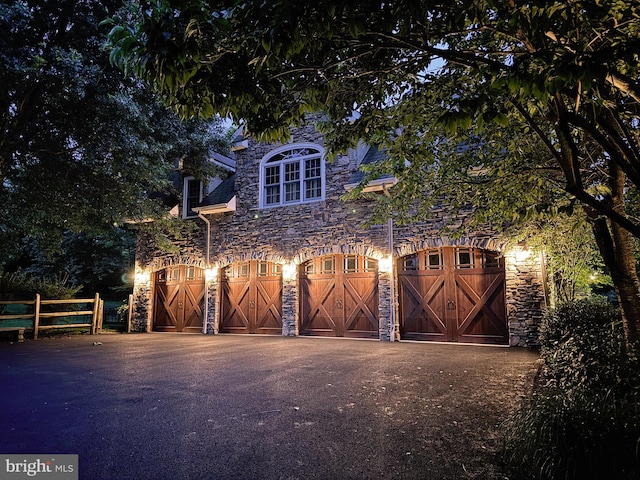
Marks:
<point>243,145</point>
<point>230,206</point>
<point>175,211</point>
<point>378,185</point>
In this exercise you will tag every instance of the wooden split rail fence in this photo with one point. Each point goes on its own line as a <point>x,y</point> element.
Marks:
<point>96,312</point>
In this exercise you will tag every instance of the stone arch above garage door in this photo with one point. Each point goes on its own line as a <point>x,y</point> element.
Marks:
<point>339,296</point>
<point>453,294</point>
<point>160,263</point>
<point>490,243</point>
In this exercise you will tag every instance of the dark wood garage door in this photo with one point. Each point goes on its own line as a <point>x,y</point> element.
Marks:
<point>179,299</point>
<point>453,294</point>
<point>251,298</point>
<point>339,297</point>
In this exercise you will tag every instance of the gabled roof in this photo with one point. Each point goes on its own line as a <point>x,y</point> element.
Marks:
<point>240,140</point>
<point>221,199</point>
<point>223,161</point>
<point>374,155</point>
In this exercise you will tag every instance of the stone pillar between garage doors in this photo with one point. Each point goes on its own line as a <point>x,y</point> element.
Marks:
<point>290,315</point>
<point>213,303</point>
<point>386,320</point>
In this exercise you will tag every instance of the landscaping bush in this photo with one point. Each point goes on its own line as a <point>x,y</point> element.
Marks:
<point>583,420</point>
<point>582,345</point>
<point>19,286</point>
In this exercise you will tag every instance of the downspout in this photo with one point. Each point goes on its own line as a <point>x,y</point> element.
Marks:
<point>392,280</point>
<point>392,318</point>
<point>206,281</point>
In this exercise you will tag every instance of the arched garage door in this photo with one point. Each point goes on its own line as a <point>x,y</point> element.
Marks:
<point>453,294</point>
<point>251,299</point>
<point>339,297</point>
<point>178,299</point>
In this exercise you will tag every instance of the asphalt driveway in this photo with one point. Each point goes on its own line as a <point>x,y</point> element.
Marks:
<point>172,406</point>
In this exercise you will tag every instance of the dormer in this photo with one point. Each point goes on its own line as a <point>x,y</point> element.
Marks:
<point>198,195</point>
<point>371,156</point>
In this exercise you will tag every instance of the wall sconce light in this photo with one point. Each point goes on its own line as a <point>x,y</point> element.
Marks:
<point>211,274</point>
<point>142,277</point>
<point>385,264</point>
<point>289,271</point>
<point>522,253</point>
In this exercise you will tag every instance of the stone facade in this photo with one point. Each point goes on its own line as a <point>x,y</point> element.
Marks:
<point>296,233</point>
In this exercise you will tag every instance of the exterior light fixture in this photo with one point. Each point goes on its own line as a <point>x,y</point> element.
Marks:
<point>142,277</point>
<point>522,253</point>
<point>289,271</point>
<point>385,264</point>
<point>211,274</point>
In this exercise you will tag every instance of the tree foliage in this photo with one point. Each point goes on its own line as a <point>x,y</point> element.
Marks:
<point>94,263</point>
<point>573,263</point>
<point>543,97</point>
<point>81,145</point>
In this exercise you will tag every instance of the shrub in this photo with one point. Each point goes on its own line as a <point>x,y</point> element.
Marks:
<point>583,422</point>
<point>582,345</point>
<point>18,286</point>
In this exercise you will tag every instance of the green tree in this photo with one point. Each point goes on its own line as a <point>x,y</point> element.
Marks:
<point>95,263</point>
<point>574,264</point>
<point>81,146</point>
<point>549,87</point>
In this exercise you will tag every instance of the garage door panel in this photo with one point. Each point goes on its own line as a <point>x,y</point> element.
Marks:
<point>319,295</point>
<point>179,299</point>
<point>318,302</point>
<point>425,328</point>
<point>193,305</point>
<point>459,296</point>
<point>481,306</point>
<point>423,306</point>
<point>339,297</point>
<point>235,302</point>
<point>164,318</point>
<point>251,298</point>
<point>269,306</point>
<point>361,305</point>
<point>319,324</point>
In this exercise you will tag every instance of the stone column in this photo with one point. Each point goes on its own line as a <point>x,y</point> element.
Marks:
<point>213,305</point>
<point>385,307</point>
<point>525,295</point>
<point>141,318</point>
<point>289,305</point>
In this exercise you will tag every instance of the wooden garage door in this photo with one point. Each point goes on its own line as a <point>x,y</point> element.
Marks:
<point>179,299</point>
<point>339,297</point>
<point>251,298</point>
<point>453,294</point>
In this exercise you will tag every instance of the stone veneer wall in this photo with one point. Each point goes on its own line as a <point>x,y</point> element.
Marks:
<point>150,259</point>
<point>526,296</point>
<point>297,233</point>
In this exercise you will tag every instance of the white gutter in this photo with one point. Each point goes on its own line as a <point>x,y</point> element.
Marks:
<point>206,286</point>
<point>393,279</point>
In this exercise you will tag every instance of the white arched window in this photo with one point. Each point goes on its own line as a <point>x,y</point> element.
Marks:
<point>292,174</point>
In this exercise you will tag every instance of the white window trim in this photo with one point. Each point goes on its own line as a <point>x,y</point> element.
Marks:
<point>185,191</point>
<point>282,203</point>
